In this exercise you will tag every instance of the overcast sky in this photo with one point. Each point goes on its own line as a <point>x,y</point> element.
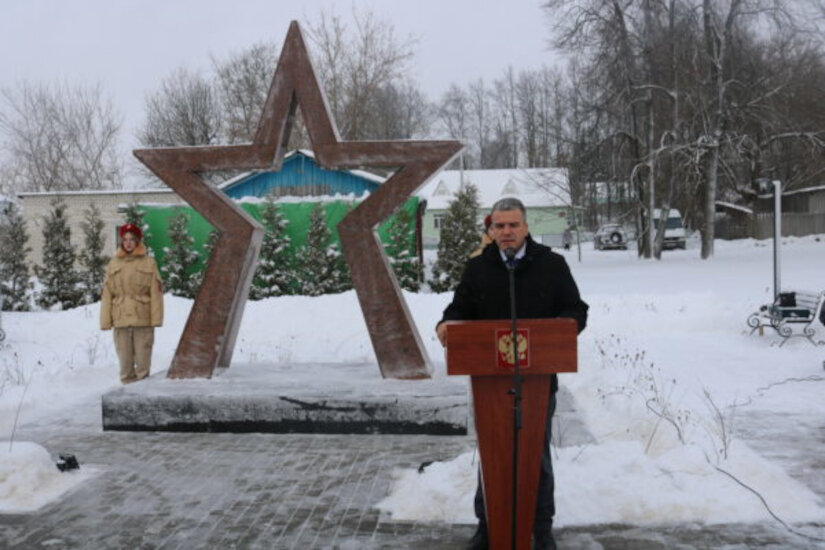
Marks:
<point>131,45</point>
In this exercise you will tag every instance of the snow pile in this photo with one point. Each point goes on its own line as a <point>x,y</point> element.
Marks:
<point>443,492</point>
<point>617,482</point>
<point>30,479</point>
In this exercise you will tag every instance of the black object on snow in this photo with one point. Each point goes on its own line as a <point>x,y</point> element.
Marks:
<point>67,462</point>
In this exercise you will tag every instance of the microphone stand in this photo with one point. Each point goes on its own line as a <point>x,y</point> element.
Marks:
<point>516,391</point>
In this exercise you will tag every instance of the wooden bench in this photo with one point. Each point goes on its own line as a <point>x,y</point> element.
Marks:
<point>792,309</point>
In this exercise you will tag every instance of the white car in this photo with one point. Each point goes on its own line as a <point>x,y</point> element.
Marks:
<point>674,229</point>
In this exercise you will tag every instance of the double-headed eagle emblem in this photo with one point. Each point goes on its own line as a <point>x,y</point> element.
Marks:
<point>505,349</point>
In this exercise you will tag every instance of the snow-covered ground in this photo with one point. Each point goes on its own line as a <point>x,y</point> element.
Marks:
<point>666,368</point>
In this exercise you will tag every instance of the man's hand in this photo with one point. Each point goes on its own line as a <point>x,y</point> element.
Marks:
<point>441,331</point>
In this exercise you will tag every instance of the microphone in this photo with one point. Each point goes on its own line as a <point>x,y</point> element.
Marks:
<point>510,254</point>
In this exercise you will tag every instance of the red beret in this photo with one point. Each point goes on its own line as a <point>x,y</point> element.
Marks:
<point>130,228</point>
<point>488,221</point>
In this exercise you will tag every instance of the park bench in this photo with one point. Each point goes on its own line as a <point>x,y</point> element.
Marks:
<point>791,309</point>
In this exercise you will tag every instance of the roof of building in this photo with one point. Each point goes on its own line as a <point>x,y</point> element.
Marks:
<point>307,153</point>
<point>732,206</point>
<point>535,187</point>
<point>147,190</point>
<point>793,192</point>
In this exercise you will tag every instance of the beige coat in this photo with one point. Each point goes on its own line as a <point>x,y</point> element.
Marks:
<point>132,291</point>
<point>485,240</point>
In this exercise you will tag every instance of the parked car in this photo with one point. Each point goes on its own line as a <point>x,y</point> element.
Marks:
<point>674,229</point>
<point>610,236</point>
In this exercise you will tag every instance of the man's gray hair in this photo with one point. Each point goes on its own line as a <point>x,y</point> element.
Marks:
<point>507,204</point>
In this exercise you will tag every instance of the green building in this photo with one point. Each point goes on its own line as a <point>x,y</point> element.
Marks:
<point>544,191</point>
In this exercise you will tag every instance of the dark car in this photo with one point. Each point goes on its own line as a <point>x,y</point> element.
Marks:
<point>610,236</point>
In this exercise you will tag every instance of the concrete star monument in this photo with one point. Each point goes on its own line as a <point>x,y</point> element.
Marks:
<point>209,336</point>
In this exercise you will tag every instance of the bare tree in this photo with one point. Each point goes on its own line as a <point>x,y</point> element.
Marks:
<point>728,46</point>
<point>506,111</point>
<point>788,144</point>
<point>530,100</point>
<point>604,35</point>
<point>399,112</point>
<point>474,117</point>
<point>356,66</point>
<point>453,117</point>
<point>59,137</point>
<point>479,102</point>
<point>243,81</point>
<point>540,105</point>
<point>184,111</point>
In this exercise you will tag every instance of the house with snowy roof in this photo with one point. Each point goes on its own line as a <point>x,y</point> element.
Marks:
<point>301,176</point>
<point>545,193</point>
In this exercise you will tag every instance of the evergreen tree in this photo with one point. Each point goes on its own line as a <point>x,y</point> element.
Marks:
<point>208,247</point>
<point>14,269</point>
<point>91,257</point>
<point>275,274</point>
<point>459,237</point>
<point>180,259</point>
<point>322,270</point>
<point>60,280</point>
<point>134,214</point>
<point>341,279</point>
<point>404,262</point>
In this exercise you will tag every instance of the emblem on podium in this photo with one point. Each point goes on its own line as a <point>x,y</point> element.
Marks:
<point>504,348</point>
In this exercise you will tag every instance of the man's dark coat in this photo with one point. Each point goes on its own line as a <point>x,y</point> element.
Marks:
<point>544,289</point>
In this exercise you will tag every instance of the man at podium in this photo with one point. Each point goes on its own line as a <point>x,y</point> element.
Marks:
<point>544,288</point>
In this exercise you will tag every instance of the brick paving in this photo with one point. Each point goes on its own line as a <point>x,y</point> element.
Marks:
<point>290,491</point>
<point>162,490</point>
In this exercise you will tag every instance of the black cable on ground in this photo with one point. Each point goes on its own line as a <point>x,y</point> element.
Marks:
<point>767,507</point>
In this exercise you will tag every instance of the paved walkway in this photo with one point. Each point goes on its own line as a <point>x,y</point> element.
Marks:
<point>271,491</point>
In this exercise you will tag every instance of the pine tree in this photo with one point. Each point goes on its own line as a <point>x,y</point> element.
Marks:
<point>341,280</point>
<point>60,280</point>
<point>14,268</point>
<point>180,259</point>
<point>208,247</point>
<point>134,215</point>
<point>405,264</point>
<point>275,274</point>
<point>323,270</point>
<point>459,237</point>
<point>91,257</point>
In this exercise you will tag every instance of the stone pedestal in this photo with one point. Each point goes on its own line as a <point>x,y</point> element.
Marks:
<point>316,398</point>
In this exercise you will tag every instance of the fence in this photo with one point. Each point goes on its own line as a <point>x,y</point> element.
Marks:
<point>761,226</point>
<point>793,225</point>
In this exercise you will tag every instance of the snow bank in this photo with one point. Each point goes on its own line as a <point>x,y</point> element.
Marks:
<point>30,479</point>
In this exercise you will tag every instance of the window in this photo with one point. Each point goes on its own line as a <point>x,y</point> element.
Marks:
<point>438,220</point>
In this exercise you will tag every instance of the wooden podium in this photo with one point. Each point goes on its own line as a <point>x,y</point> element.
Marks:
<point>483,350</point>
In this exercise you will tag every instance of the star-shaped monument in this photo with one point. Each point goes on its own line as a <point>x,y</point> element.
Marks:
<point>208,339</point>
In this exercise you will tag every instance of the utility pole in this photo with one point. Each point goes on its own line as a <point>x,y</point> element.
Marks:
<point>777,237</point>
